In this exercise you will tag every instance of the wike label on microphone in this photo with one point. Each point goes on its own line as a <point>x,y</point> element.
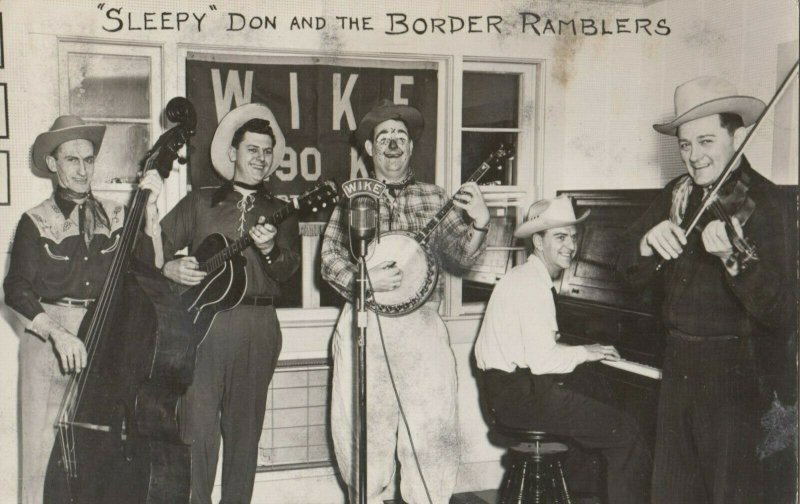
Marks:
<point>363,187</point>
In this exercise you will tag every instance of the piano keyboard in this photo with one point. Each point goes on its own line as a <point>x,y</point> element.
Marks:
<point>634,367</point>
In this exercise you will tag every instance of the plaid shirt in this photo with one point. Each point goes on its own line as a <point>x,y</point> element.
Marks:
<point>410,210</point>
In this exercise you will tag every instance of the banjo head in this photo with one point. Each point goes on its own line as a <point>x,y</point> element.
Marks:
<point>419,268</point>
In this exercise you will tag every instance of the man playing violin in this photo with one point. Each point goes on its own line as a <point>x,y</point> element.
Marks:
<point>237,358</point>
<point>417,344</point>
<point>718,302</point>
<point>62,251</point>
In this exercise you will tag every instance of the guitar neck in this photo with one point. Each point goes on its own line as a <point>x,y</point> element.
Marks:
<point>425,233</point>
<point>238,246</point>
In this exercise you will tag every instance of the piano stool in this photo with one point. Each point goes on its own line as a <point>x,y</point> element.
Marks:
<point>536,474</point>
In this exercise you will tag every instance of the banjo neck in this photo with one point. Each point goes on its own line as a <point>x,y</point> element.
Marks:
<point>424,234</point>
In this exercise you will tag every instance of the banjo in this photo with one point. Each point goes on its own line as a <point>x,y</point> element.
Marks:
<point>413,255</point>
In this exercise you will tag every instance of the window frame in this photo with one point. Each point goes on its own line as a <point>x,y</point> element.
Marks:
<point>529,156</point>
<point>153,53</point>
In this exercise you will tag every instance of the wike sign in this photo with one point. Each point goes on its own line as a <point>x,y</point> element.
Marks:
<point>317,106</point>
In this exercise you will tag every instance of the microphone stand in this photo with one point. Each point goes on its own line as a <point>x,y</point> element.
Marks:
<point>353,189</point>
<point>361,379</point>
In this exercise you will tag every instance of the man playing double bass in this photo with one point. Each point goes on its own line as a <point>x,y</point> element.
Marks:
<point>417,344</point>
<point>717,305</point>
<point>62,251</point>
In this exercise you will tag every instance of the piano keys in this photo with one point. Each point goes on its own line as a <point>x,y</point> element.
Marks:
<point>634,367</point>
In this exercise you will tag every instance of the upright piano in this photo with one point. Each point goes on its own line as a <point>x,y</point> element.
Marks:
<point>596,306</point>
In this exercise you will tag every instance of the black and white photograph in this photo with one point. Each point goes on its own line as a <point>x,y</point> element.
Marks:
<point>444,252</point>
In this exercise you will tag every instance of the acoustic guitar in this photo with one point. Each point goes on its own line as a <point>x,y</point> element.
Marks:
<point>226,279</point>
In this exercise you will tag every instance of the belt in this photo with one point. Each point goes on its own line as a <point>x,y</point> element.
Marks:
<point>256,301</point>
<point>69,302</point>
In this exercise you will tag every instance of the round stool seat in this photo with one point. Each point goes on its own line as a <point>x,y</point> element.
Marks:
<point>521,434</point>
<point>541,449</point>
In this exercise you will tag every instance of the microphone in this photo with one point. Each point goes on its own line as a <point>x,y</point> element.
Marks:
<point>363,223</point>
<point>363,212</point>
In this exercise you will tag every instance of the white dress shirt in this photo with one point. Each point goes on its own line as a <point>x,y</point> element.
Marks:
<point>520,327</point>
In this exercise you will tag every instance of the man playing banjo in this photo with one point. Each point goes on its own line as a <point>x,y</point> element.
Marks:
<point>417,345</point>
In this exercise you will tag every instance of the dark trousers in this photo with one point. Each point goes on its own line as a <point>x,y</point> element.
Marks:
<point>708,424</point>
<point>228,398</point>
<point>522,399</point>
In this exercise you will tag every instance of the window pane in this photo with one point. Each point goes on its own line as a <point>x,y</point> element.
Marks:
<point>124,147</point>
<point>490,100</point>
<point>477,147</point>
<point>490,267</point>
<point>109,86</point>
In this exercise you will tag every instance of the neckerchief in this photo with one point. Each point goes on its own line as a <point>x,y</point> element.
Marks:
<point>396,187</point>
<point>91,212</point>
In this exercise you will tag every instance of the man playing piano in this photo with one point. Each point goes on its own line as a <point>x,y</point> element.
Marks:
<point>714,307</point>
<point>518,350</point>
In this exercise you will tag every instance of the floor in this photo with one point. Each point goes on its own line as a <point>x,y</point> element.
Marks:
<point>490,497</point>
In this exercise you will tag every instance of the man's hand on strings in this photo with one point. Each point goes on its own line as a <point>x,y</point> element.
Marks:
<point>716,240</point>
<point>470,199</point>
<point>264,236</point>
<point>185,271</point>
<point>386,276</point>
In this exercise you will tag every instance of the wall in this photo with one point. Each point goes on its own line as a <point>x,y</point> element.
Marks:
<point>602,94</point>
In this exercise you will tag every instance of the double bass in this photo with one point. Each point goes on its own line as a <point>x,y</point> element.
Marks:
<point>118,436</point>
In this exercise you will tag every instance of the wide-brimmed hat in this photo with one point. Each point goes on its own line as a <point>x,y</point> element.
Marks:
<point>547,214</point>
<point>705,96</point>
<point>64,129</point>
<point>385,110</point>
<point>232,121</point>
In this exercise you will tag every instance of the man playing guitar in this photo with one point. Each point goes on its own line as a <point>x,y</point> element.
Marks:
<point>236,359</point>
<point>417,344</point>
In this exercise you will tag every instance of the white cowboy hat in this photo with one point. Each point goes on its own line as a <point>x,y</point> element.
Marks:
<point>705,96</point>
<point>547,214</point>
<point>64,129</point>
<point>232,121</point>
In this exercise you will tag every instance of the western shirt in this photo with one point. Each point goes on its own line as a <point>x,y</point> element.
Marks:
<point>50,259</point>
<point>216,210</point>
<point>519,328</point>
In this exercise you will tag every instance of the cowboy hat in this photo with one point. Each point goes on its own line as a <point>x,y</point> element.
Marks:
<point>705,96</point>
<point>64,129</point>
<point>385,110</point>
<point>547,214</point>
<point>232,121</point>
